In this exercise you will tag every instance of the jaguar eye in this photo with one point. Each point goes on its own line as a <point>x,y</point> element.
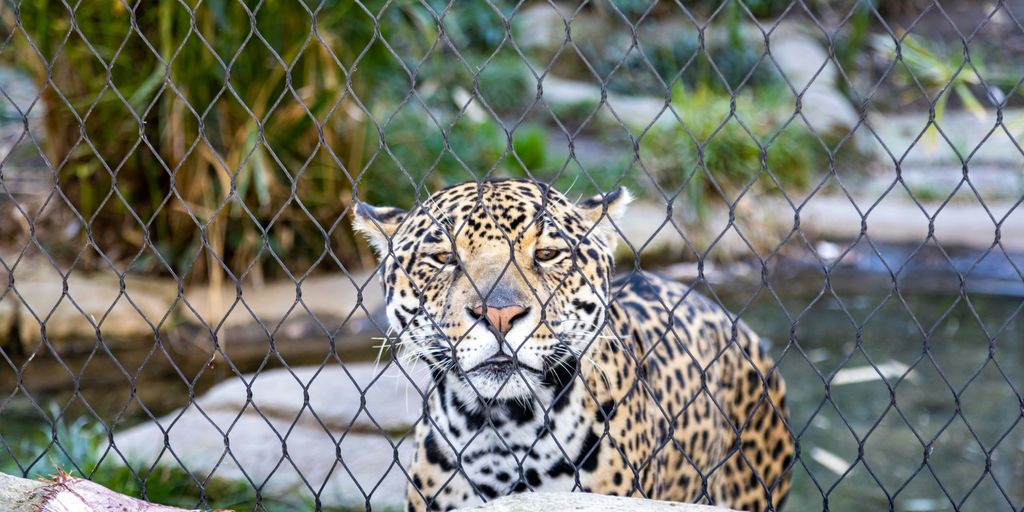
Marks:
<point>545,254</point>
<point>443,258</point>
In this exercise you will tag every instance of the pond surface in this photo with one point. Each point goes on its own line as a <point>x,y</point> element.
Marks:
<point>941,429</point>
<point>903,397</point>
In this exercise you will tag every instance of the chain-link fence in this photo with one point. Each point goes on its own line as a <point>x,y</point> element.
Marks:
<point>189,315</point>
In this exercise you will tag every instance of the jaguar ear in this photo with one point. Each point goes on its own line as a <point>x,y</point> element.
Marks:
<point>378,224</point>
<point>604,209</point>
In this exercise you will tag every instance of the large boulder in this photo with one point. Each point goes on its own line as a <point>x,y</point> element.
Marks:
<point>342,433</point>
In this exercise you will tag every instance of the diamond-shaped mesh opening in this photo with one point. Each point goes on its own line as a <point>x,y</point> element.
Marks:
<point>188,316</point>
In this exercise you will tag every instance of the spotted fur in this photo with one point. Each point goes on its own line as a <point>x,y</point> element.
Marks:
<point>631,387</point>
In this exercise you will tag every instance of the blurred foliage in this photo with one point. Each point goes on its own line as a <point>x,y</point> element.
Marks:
<point>82,449</point>
<point>734,147</point>
<point>669,51</point>
<point>416,153</point>
<point>759,8</point>
<point>850,42</point>
<point>503,82</point>
<point>228,154</point>
<point>216,173</point>
<point>225,170</point>
<point>932,68</point>
<point>475,26</point>
<point>930,71</point>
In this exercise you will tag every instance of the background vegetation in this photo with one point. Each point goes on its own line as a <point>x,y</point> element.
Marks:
<point>187,142</point>
<point>207,144</point>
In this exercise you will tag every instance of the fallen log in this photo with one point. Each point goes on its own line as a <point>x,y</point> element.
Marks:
<point>65,493</point>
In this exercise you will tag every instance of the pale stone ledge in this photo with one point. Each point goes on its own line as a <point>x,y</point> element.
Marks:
<point>566,501</point>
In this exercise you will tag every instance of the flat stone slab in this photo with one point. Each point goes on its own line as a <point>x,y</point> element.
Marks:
<point>81,304</point>
<point>263,431</point>
<point>978,138</point>
<point>75,307</point>
<point>957,224</point>
<point>355,397</point>
<point>551,501</point>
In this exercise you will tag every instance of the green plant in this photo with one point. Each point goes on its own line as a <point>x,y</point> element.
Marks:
<point>204,162</point>
<point>670,52</point>
<point>940,71</point>
<point>713,149</point>
<point>530,143</point>
<point>849,44</point>
<point>475,26</point>
<point>417,152</point>
<point>702,8</point>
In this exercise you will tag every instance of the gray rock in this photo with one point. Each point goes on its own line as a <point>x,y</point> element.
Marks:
<point>541,25</point>
<point>979,138</point>
<point>391,401</point>
<point>797,54</point>
<point>808,68</point>
<point>91,301</point>
<point>549,501</point>
<point>239,429</point>
<point>342,468</point>
<point>636,112</point>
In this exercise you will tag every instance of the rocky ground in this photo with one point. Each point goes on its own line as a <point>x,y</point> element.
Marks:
<point>345,428</point>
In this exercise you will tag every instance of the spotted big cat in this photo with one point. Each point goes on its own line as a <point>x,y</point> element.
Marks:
<point>550,374</point>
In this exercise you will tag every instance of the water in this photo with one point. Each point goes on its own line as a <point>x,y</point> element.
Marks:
<point>921,438</point>
<point>905,400</point>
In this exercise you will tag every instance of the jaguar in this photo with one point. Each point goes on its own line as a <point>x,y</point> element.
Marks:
<point>548,373</point>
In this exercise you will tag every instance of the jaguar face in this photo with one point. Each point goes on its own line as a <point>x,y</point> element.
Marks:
<point>494,284</point>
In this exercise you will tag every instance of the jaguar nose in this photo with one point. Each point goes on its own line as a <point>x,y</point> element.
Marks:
<point>499,319</point>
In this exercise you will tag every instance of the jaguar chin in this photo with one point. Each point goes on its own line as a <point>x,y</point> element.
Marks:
<point>500,380</point>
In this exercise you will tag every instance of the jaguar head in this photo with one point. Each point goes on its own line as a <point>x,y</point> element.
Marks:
<point>495,284</point>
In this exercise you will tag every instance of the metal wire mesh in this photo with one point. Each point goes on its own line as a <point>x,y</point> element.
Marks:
<point>180,223</point>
